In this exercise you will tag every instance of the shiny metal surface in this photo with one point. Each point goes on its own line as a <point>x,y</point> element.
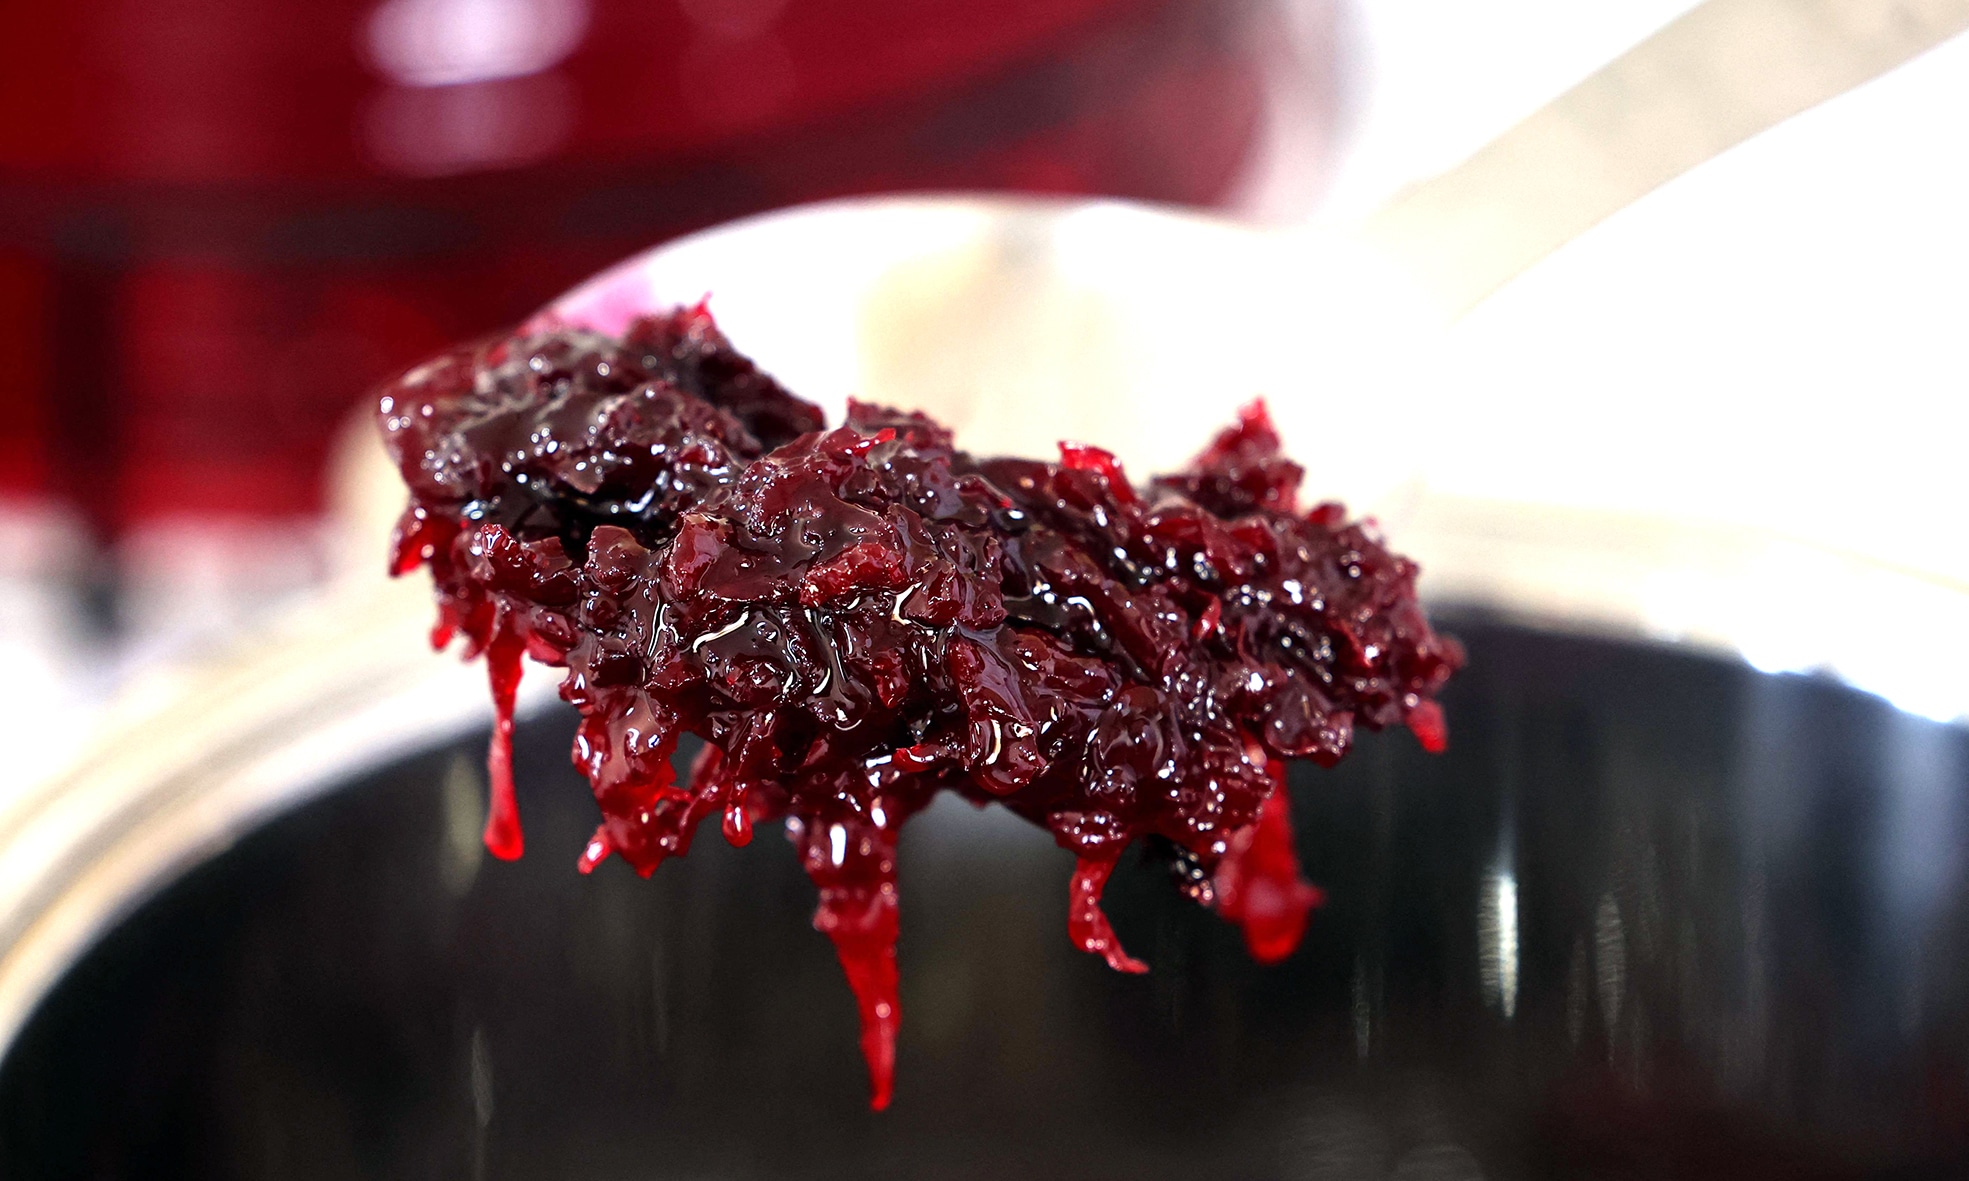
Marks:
<point>1653,915</point>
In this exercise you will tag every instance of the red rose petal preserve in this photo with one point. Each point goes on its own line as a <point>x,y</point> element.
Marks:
<point>856,619</point>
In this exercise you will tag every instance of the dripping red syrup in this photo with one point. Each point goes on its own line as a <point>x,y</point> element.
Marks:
<point>855,619</point>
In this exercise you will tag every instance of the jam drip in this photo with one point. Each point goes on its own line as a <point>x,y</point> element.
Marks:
<point>1257,884</point>
<point>854,867</point>
<point>1087,923</point>
<point>503,836</point>
<point>857,619</point>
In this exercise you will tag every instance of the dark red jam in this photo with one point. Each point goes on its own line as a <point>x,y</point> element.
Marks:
<point>858,618</point>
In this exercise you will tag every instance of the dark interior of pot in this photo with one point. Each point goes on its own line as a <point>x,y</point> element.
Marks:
<point>1653,915</point>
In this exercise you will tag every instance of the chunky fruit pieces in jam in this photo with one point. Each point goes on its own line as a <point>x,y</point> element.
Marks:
<point>856,619</point>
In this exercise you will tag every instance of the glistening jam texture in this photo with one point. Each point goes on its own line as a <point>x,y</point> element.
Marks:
<point>858,618</point>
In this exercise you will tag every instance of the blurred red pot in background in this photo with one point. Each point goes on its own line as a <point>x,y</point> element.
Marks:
<point>221,221</point>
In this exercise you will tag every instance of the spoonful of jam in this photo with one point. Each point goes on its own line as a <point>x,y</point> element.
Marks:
<point>859,617</point>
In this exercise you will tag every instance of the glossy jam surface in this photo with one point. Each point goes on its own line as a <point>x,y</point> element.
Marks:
<point>858,618</point>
